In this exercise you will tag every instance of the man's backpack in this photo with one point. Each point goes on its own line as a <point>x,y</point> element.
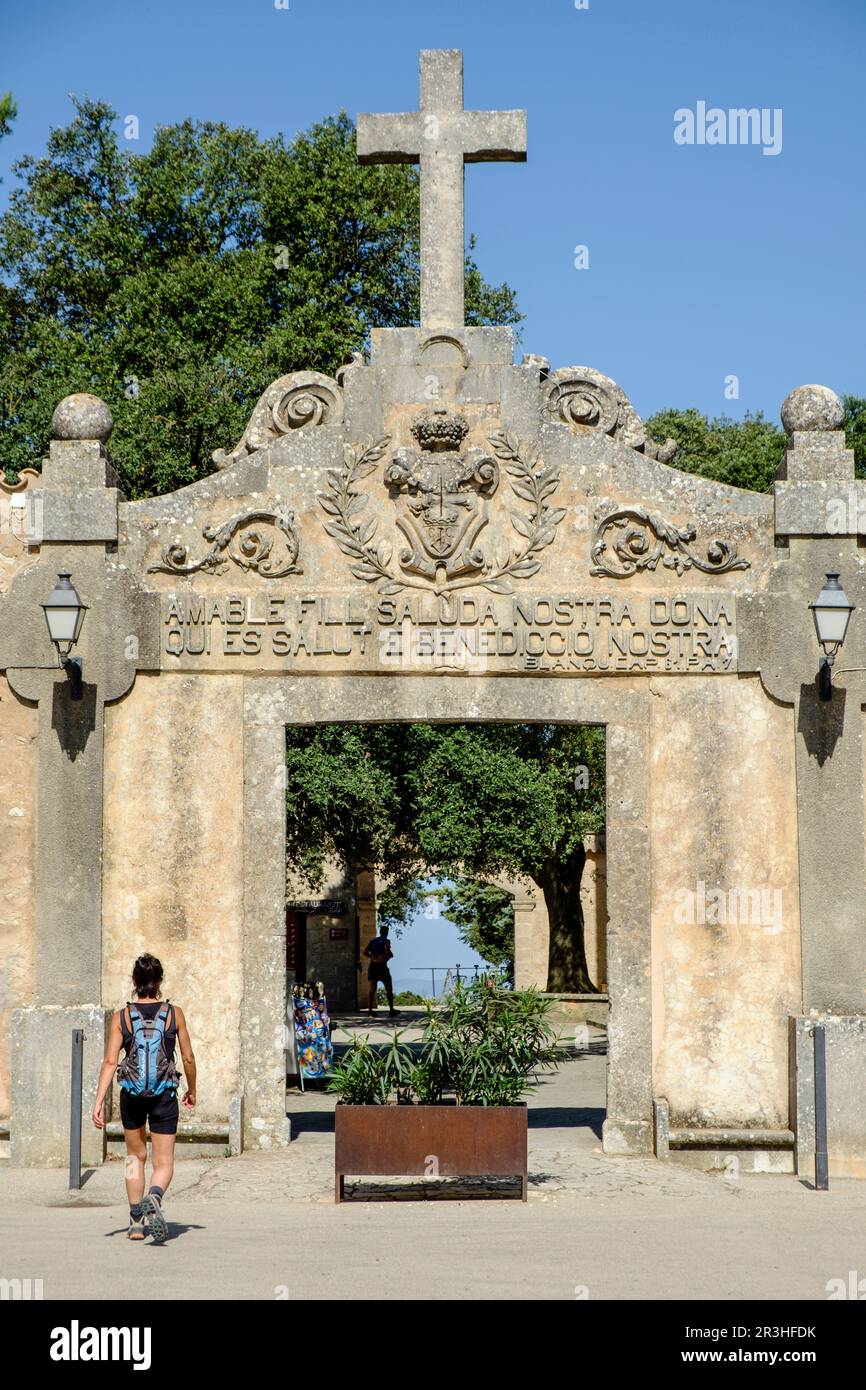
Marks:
<point>146,1070</point>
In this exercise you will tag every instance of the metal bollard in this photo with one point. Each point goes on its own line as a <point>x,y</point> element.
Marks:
<point>822,1180</point>
<point>75,1109</point>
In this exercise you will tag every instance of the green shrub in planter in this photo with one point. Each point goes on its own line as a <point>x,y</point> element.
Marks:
<point>485,1046</point>
<point>368,1075</point>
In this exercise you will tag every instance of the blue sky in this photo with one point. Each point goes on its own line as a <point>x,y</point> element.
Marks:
<point>705,261</point>
<point>429,943</point>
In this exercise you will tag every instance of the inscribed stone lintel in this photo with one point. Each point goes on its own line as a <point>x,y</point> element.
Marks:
<point>527,632</point>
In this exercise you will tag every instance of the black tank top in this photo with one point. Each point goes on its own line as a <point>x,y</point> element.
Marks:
<point>149,1008</point>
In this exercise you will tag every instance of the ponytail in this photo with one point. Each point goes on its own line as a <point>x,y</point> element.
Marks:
<point>147,975</point>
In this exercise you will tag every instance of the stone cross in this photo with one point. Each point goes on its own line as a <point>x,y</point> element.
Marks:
<point>442,137</point>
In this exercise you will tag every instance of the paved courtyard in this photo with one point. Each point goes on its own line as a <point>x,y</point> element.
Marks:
<point>265,1226</point>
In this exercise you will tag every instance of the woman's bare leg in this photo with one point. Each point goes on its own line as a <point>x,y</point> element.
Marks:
<point>163,1159</point>
<point>136,1157</point>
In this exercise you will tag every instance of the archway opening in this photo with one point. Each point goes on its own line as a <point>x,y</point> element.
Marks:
<point>481,847</point>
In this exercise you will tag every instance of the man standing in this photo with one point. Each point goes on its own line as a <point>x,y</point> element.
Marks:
<point>379,953</point>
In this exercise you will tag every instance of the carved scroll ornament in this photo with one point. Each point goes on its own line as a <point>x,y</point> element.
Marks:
<point>588,400</point>
<point>293,402</point>
<point>247,540</point>
<point>642,539</point>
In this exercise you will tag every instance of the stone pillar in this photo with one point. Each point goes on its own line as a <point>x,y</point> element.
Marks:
<point>593,895</point>
<point>820,513</point>
<point>628,1127</point>
<point>74,515</point>
<point>263,1003</point>
<point>365,889</point>
<point>531,935</point>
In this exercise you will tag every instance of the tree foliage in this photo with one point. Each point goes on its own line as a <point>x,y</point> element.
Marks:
<point>8,112</point>
<point>487,1046</point>
<point>457,801</point>
<point>179,283</point>
<point>744,453</point>
<point>855,431</point>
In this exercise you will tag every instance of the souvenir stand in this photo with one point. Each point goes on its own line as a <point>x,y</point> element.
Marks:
<point>310,1050</point>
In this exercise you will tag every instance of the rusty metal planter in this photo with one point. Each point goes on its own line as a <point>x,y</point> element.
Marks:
<point>401,1140</point>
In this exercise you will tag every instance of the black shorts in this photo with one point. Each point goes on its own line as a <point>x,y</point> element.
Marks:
<point>377,971</point>
<point>160,1112</point>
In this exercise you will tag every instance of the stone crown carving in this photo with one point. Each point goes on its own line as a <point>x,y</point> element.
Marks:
<point>440,430</point>
<point>293,402</point>
<point>588,400</point>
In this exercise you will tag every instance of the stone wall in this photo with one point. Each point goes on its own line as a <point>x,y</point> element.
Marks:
<point>333,962</point>
<point>331,956</point>
<point>17,769</point>
<point>17,753</point>
<point>532,927</point>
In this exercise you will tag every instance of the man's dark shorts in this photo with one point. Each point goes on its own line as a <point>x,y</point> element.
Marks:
<point>160,1112</point>
<point>376,971</point>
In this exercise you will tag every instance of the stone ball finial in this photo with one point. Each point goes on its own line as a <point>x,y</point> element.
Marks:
<point>82,416</point>
<point>812,408</point>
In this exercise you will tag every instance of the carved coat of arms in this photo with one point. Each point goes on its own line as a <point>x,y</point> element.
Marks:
<point>442,498</point>
<point>442,494</point>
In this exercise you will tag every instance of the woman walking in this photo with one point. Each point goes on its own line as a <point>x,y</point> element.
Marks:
<point>147,1031</point>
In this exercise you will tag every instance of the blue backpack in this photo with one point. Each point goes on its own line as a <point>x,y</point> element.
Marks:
<point>147,1069</point>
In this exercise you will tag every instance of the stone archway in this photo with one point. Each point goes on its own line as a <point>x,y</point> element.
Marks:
<point>269,705</point>
<point>443,534</point>
<point>248,615</point>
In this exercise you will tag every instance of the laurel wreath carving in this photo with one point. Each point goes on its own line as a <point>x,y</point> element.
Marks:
<point>343,502</point>
<point>530,480</point>
<point>534,483</point>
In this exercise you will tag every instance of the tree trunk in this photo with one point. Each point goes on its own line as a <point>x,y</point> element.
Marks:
<point>559,881</point>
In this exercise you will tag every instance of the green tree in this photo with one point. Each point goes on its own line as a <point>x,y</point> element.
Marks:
<point>178,283</point>
<point>855,431</point>
<point>8,112</point>
<point>459,801</point>
<point>743,453</point>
